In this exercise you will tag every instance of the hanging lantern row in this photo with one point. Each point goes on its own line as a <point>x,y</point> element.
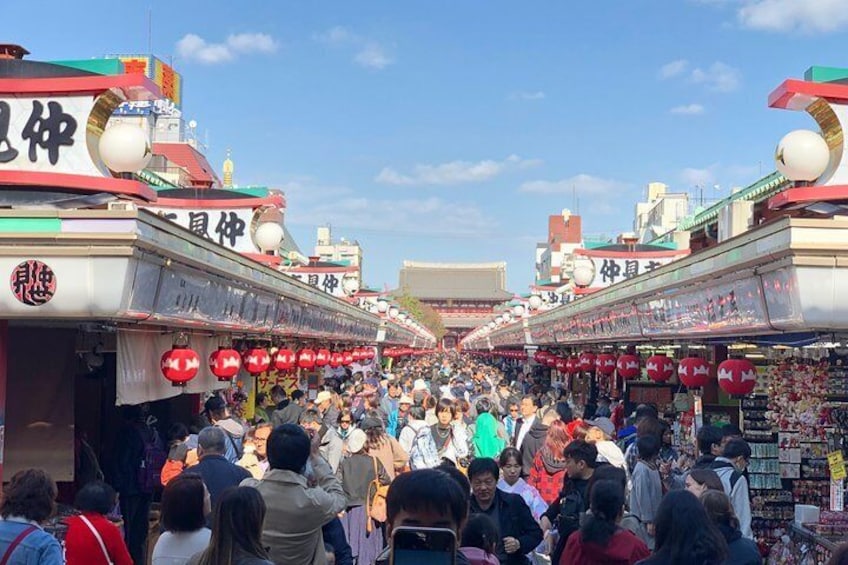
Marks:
<point>181,364</point>
<point>394,352</point>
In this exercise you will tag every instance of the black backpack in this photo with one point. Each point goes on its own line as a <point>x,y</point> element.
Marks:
<point>571,508</point>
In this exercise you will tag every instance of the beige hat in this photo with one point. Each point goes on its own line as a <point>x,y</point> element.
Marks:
<point>405,399</point>
<point>420,384</point>
<point>356,440</point>
<point>323,396</point>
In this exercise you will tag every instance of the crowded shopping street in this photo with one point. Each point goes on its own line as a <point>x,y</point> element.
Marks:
<point>255,306</point>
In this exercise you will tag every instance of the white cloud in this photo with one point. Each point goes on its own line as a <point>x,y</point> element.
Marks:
<point>455,172</point>
<point>698,177</point>
<point>718,77</point>
<point>373,56</point>
<point>368,53</point>
<point>809,16</point>
<point>192,47</point>
<point>673,69</point>
<point>583,184</point>
<point>527,96</point>
<point>688,110</point>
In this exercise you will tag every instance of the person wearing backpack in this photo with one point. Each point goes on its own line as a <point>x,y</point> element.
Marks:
<point>566,512</point>
<point>736,454</point>
<point>219,416</point>
<point>361,476</point>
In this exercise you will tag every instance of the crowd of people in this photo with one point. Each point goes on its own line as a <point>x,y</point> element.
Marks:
<point>517,470</point>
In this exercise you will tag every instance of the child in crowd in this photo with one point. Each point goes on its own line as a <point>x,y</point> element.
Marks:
<point>480,540</point>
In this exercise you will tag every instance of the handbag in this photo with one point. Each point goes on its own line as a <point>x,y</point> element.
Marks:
<point>376,508</point>
<point>99,539</point>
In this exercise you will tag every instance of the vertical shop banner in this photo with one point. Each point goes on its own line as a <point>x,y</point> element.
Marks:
<point>139,377</point>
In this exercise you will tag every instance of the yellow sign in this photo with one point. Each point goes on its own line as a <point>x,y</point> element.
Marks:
<point>837,466</point>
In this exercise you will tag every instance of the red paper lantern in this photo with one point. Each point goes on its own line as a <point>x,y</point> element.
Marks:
<point>285,360</point>
<point>551,361</point>
<point>322,357</point>
<point>737,377</point>
<point>336,360</point>
<point>225,363</point>
<point>572,365</point>
<point>605,364</point>
<point>659,368</point>
<point>256,361</point>
<point>306,359</point>
<point>694,372</point>
<point>628,366</point>
<point>179,365</point>
<point>347,358</point>
<point>371,352</point>
<point>560,364</point>
<point>587,362</point>
<point>540,356</point>
<point>356,354</point>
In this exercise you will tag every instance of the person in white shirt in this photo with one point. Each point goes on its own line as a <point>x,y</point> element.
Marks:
<point>185,505</point>
<point>528,416</point>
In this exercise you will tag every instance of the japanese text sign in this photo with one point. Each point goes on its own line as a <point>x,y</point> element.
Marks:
<point>227,227</point>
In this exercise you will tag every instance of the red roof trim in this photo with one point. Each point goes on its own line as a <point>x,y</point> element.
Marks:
<point>247,202</point>
<point>807,195</point>
<point>134,86</point>
<point>83,183</point>
<point>788,89</point>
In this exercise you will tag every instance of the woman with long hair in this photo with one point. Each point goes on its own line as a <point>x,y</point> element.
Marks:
<point>600,540</point>
<point>685,534</point>
<point>511,481</point>
<point>548,470</point>
<point>487,441</point>
<point>699,481</point>
<point>237,530</point>
<point>383,446</point>
<point>442,440</point>
<point>740,551</point>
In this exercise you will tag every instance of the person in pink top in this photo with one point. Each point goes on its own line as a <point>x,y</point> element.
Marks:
<point>92,539</point>
<point>480,540</point>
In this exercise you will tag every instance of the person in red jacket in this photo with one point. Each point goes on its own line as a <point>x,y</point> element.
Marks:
<point>548,470</point>
<point>600,540</point>
<point>92,539</point>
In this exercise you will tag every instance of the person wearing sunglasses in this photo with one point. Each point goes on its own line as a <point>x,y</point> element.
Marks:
<point>345,423</point>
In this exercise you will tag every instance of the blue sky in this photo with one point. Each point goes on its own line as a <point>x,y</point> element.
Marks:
<point>450,130</point>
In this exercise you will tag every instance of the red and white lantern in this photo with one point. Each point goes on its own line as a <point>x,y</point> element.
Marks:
<point>347,358</point>
<point>225,363</point>
<point>605,364</point>
<point>336,360</point>
<point>737,377</point>
<point>540,356</point>
<point>572,365</point>
<point>587,362</point>
<point>322,357</point>
<point>628,366</point>
<point>357,354</point>
<point>560,364</point>
<point>694,372</point>
<point>659,368</point>
<point>256,361</point>
<point>306,359</point>
<point>285,360</point>
<point>179,365</point>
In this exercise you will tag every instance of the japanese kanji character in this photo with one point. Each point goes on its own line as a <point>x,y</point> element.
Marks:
<point>9,153</point>
<point>610,270</point>
<point>631,268</point>
<point>198,222</point>
<point>230,227</point>
<point>49,133</point>
<point>652,266</point>
<point>331,282</point>
<point>312,280</point>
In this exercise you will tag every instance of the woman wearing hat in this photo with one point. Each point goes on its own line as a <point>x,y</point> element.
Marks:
<point>357,472</point>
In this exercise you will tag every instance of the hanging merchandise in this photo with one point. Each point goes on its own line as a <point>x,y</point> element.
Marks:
<point>605,364</point>
<point>256,361</point>
<point>737,377</point>
<point>322,357</point>
<point>659,368</point>
<point>225,363</point>
<point>179,365</point>
<point>284,360</point>
<point>628,366</point>
<point>306,359</point>
<point>694,372</point>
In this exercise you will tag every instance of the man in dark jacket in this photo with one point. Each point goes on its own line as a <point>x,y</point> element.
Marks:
<point>519,534</point>
<point>291,413</point>
<point>534,440</point>
<point>218,474</point>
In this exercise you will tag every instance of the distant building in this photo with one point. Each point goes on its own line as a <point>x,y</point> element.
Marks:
<point>342,252</point>
<point>661,214</point>
<point>565,234</point>
<point>464,294</point>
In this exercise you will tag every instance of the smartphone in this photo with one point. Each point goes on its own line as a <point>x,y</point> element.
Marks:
<point>423,546</point>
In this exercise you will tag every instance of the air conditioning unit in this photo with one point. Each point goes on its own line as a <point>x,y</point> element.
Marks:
<point>734,219</point>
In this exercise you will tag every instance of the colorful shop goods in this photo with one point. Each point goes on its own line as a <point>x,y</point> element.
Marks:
<point>796,397</point>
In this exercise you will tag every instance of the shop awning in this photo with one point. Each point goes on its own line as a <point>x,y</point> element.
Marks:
<point>786,276</point>
<point>132,267</point>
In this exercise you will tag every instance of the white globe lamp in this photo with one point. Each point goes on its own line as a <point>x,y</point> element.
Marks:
<point>518,310</point>
<point>350,285</point>
<point>802,155</point>
<point>393,312</point>
<point>492,325</point>
<point>583,273</point>
<point>124,148</point>
<point>382,306</point>
<point>401,316</point>
<point>268,236</point>
<point>535,302</point>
